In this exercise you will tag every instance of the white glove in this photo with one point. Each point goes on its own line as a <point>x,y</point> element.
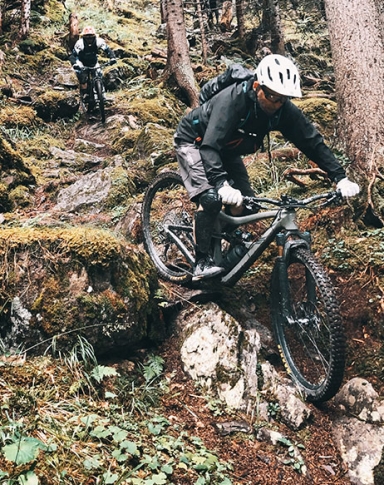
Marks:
<point>347,188</point>
<point>229,195</point>
<point>78,65</point>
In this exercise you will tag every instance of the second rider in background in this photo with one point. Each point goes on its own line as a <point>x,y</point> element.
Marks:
<point>85,53</point>
<point>211,140</point>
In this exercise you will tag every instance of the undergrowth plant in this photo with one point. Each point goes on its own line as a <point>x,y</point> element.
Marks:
<point>73,418</point>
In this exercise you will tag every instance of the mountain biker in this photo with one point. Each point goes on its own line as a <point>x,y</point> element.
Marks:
<point>211,139</point>
<point>85,53</point>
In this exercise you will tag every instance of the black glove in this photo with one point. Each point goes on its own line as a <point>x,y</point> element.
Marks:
<point>113,61</point>
<point>78,66</point>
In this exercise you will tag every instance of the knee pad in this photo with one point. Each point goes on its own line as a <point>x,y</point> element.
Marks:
<point>210,201</point>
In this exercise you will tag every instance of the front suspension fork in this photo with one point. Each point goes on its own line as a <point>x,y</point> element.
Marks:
<point>286,244</point>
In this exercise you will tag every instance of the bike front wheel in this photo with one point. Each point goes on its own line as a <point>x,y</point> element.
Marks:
<point>99,92</point>
<point>307,325</point>
<point>167,224</point>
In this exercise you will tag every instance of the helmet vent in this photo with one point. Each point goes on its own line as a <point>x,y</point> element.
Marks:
<point>280,75</point>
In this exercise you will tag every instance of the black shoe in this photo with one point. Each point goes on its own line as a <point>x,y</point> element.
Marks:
<point>206,268</point>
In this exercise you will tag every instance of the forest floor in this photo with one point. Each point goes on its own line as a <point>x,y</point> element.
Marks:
<point>255,462</point>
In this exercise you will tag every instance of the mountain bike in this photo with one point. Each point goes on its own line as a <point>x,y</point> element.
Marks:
<point>305,313</point>
<point>94,97</point>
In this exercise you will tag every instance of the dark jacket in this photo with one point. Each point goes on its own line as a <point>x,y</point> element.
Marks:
<point>232,123</point>
<point>88,54</point>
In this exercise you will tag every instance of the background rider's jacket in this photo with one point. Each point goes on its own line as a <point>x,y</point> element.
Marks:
<point>232,123</point>
<point>88,54</point>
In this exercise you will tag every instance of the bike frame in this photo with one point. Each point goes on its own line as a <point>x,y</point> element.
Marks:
<point>284,220</point>
<point>93,73</point>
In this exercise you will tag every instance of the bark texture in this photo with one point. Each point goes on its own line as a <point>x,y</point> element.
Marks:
<point>178,62</point>
<point>358,57</point>
<point>24,18</point>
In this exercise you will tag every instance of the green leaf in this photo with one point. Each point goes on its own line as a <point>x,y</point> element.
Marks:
<point>110,477</point>
<point>100,432</point>
<point>167,469</point>
<point>200,481</point>
<point>118,434</point>
<point>29,478</point>
<point>120,457</point>
<point>130,447</point>
<point>159,479</point>
<point>23,451</point>
<point>226,481</point>
<point>101,371</point>
<point>155,429</point>
<point>92,462</point>
<point>110,395</point>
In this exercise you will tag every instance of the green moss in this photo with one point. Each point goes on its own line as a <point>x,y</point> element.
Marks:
<point>90,245</point>
<point>18,117</point>
<point>125,140</point>
<point>20,196</point>
<point>32,45</point>
<point>378,471</point>
<point>226,376</point>
<point>122,188</point>
<point>153,139</point>
<point>321,111</point>
<point>52,306</point>
<point>73,279</point>
<point>5,203</point>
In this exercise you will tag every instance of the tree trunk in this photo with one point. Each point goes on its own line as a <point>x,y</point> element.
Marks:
<point>1,16</point>
<point>178,66</point>
<point>277,39</point>
<point>226,16</point>
<point>204,48</point>
<point>240,18</point>
<point>74,33</point>
<point>25,13</point>
<point>356,36</point>
<point>163,11</point>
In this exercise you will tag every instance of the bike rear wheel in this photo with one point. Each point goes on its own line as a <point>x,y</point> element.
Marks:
<point>167,216</point>
<point>307,325</point>
<point>99,92</point>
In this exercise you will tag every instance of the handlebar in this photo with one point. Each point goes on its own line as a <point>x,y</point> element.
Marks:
<point>288,202</point>
<point>99,66</point>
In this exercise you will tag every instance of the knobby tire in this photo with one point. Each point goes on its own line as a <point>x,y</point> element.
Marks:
<point>166,205</point>
<point>307,325</point>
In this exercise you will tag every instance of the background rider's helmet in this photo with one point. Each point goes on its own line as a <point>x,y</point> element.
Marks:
<point>279,74</point>
<point>89,34</point>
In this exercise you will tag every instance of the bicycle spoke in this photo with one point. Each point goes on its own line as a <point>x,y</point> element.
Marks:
<point>167,228</point>
<point>308,326</point>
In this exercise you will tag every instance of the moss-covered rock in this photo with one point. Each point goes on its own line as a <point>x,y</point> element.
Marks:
<point>15,176</point>
<point>321,111</point>
<point>59,283</point>
<point>51,105</point>
<point>18,117</point>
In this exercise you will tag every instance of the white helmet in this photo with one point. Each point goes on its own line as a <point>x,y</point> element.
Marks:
<point>279,74</point>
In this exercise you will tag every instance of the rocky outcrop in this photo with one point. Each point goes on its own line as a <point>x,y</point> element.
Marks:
<point>223,357</point>
<point>59,283</point>
<point>359,431</point>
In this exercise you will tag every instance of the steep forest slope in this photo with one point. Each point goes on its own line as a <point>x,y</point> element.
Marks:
<point>137,418</point>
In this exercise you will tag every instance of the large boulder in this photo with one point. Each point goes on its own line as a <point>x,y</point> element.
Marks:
<point>59,283</point>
